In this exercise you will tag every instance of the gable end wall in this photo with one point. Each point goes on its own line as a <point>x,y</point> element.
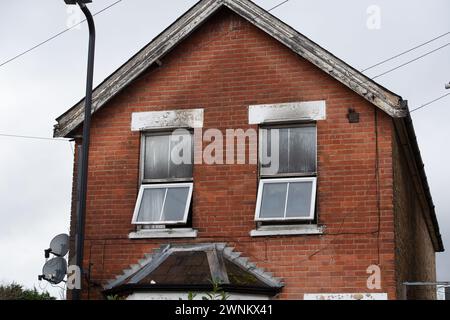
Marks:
<point>224,67</point>
<point>414,252</point>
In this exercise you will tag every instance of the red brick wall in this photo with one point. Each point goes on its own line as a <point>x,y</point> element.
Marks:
<point>414,254</point>
<point>224,67</point>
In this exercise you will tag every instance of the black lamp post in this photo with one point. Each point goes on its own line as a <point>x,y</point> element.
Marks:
<point>76,295</point>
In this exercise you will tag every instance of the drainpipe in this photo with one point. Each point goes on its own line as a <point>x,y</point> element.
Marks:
<point>76,294</point>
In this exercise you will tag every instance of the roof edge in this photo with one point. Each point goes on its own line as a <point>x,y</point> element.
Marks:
<point>146,265</point>
<point>405,127</point>
<point>378,95</point>
<point>136,65</point>
<point>262,19</point>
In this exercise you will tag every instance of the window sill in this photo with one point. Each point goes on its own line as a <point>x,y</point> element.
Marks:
<point>163,233</point>
<point>291,230</point>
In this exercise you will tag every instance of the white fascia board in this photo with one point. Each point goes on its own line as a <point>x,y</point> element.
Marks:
<point>292,111</point>
<point>154,120</point>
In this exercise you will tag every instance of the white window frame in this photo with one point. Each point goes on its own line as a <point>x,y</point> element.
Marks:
<point>162,186</point>
<point>262,182</point>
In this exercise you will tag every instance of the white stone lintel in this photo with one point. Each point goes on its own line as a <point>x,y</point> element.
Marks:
<point>284,112</point>
<point>154,120</point>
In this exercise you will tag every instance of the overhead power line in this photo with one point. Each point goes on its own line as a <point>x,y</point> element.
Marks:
<point>278,5</point>
<point>55,36</point>
<point>31,137</point>
<point>72,27</point>
<point>15,136</point>
<point>405,52</point>
<point>431,102</point>
<point>411,61</point>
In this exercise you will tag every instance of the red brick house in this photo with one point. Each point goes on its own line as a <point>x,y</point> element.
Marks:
<point>349,195</point>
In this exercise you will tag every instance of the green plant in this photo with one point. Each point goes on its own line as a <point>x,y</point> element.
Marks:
<point>217,293</point>
<point>191,296</point>
<point>115,297</point>
<point>16,291</point>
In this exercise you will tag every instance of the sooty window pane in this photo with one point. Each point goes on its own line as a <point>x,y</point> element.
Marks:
<point>299,199</point>
<point>273,200</point>
<point>181,156</point>
<point>283,150</point>
<point>175,206</point>
<point>151,205</point>
<point>265,152</point>
<point>302,150</point>
<point>275,148</point>
<point>156,158</point>
<point>296,150</point>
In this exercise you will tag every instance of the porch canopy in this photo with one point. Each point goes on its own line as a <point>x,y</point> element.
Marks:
<point>195,268</point>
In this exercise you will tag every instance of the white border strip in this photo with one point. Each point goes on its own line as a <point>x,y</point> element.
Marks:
<point>287,230</point>
<point>164,233</point>
<point>346,296</point>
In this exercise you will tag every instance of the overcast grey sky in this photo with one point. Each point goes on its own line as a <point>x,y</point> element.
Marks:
<point>36,175</point>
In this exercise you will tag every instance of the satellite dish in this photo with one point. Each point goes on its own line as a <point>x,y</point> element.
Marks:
<point>54,270</point>
<point>59,246</point>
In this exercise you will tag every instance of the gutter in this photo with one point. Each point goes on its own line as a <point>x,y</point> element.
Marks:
<point>229,288</point>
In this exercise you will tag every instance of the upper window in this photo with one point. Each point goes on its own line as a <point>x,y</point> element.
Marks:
<point>166,178</point>
<point>288,166</point>
<point>162,156</point>
<point>292,151</point>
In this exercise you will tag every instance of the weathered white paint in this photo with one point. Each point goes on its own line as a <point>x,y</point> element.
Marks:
<point>184,296</point>
<point>346,296</point>
<point>189,118</point>
<point>289,230</point>
<point>297,111</point>
<point>163,233</point>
